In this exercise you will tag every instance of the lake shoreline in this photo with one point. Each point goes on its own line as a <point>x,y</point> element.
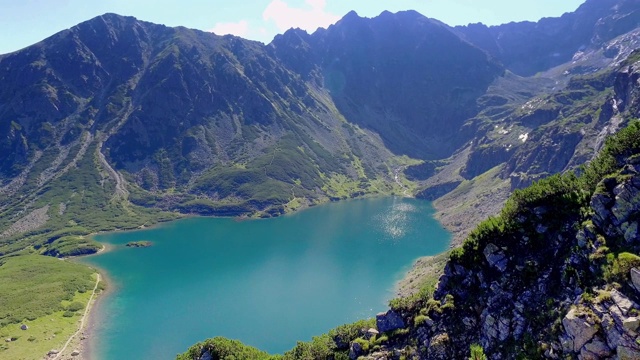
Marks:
<point>96,314</point>
<point>87,343</point>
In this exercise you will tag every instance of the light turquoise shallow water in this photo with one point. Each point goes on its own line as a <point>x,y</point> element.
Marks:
<point>267,282</point>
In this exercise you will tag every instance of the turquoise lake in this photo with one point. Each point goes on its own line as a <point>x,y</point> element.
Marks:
<point>268,283</point>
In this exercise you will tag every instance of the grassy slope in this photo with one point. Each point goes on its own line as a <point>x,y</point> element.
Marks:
<point>47,295</point>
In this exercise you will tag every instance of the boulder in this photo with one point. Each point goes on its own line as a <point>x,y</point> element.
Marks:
<point>578,329</point>
<point>75,353</point>
<point>495,257</point>
<point>389,321</point>
<point>355,350</point>
<point>623,302</point>
<point>24,327</point>
<point>631,323</point>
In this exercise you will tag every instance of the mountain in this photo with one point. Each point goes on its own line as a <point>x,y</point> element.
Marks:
<point>144,118</point>
<point>555,275</point>
<point>173,120</point>
<point>527,48</point>
<point>119,123</point>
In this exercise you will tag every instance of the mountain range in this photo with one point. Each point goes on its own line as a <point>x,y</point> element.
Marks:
<point>118,123</point>
<point>180,120</point>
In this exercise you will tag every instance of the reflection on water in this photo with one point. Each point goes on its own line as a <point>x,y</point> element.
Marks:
<point>396,220</point>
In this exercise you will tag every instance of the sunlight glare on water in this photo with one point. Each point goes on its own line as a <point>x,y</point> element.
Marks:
<point>395,221</point>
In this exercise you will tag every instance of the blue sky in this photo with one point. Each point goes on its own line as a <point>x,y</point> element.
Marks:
<point>25,22</point>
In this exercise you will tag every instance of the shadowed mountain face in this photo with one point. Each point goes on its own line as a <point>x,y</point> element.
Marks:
<point>527,47</point>
<point>407,77</point>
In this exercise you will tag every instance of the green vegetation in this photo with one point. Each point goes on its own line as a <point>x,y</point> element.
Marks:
<point>225,349</point>
<point>43,334</point>
<point>567,194</point>
<point>34,286</point>
<point>47,295</point>
<point>477,352</point>
<point>78,205</point>
<point>72,246</point>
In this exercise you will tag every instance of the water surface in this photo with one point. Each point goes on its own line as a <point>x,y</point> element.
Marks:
<point>266,282</point>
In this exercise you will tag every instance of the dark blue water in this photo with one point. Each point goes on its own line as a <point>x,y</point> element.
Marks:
<point>268,283</point>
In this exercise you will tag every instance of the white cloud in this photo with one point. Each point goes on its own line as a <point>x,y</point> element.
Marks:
<point>240,28</point>
<point>309,18</point>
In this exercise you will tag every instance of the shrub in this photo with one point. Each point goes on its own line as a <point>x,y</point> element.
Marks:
<point>477,352</point>
<point>420,320</point>
<point>75,306</point>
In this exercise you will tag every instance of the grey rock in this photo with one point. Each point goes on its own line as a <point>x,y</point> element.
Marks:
<point>75,353</point>
<point>495,257</point>
<point>489,327</point>
<point>389,321</point>
<point>597,349</point>
<point>600,205</point>
<point>24,327</point>
<point>631,232</point>
<point>621,301</point>
<point>206,356</point>
<point>627,353</point>
<point>627,202</point>
<point>614,337</point>
<point>566,343</point>
<point>355,351</point>
<point>504,328</point>
<point>540,229</point>
<point>460,270</point>
<point>469,322</point>
<point>631,323</point>
<point>578,328</point>
<point>635,278</point>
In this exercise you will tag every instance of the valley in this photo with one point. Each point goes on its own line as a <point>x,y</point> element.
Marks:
<point>121,124</point>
